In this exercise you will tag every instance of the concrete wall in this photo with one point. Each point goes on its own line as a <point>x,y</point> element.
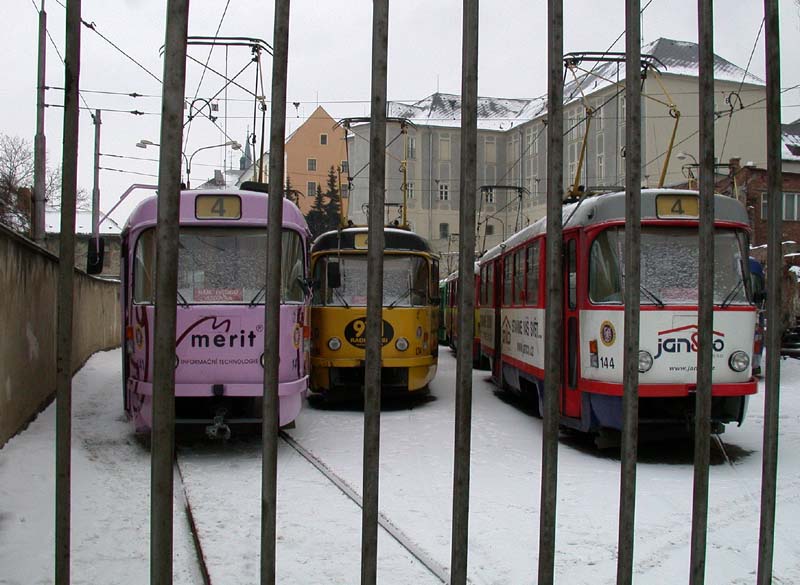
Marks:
<point>28,289</point>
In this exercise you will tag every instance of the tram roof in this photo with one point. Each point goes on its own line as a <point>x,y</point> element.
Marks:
<point>254,210</point>
<point>607,207</point>
<point>454,275</point>
<point>394,239</point>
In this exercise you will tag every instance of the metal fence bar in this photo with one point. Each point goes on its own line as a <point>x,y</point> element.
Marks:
<point>633,232</point>
<point>270,420</point>
<point>769,469</point>
<point>169,180</point>
<point>705,310</point>
<point>374,330</point>
<point>66,276</point>
<point>466,292</point>
<point>555,287</point>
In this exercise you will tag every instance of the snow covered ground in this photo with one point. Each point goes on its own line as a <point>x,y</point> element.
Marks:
<point>319,528</point>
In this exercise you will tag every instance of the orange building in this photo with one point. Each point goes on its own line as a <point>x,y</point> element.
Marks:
<point>311,150</point>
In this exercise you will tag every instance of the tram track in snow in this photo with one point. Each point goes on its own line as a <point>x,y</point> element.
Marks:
<point>184,498</point>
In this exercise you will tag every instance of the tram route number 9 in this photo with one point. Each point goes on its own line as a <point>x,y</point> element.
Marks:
<point>355,332</point>
<point>218,207</point>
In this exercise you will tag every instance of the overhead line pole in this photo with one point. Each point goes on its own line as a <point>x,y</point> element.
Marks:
<point>466,292</point>
<point>66,277</point>
<point>769,469</point>
<point>633,233</point>
<point>96,188</point>
<point>270,419</point>
<point>374,329</point>
<point>555,287</point>
<point>167,237</point>
<point>40,141</point>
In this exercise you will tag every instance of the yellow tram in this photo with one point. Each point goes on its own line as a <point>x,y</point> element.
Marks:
<point>339,310</point>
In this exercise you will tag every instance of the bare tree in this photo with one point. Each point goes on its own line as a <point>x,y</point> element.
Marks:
<point>16,185</point>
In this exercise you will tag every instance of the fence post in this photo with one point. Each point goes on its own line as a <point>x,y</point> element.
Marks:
<point>270,421</point>
<point>169,180</point>
<point>769,469</point>
<point>466,292</point>
<point>633,232</point>
<point>375,243</point>
<point>555,287</point>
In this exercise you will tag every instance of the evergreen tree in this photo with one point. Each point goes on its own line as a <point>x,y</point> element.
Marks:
<point>317,215</point>
<point>332,213</point>
<point>290,192</point>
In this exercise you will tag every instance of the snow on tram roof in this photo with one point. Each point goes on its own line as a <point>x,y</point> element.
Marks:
<point>611,206</point>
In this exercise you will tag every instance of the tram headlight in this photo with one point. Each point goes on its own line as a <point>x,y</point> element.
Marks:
<point>334,344</point>
<point>645,361</point>
<point>739,361</point>
<point>401,344</point>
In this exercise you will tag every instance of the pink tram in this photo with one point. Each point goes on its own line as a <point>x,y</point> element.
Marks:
<point>512,311</point>
<point>219,362</point>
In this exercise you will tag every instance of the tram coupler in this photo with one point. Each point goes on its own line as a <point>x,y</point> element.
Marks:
<point>218,429</point>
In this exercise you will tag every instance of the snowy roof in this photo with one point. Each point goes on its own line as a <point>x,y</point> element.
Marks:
<point>444,109</point>
<point>83,223</point>
<point>229,179</point>
<point>677,57</point>
<point>790,137</point>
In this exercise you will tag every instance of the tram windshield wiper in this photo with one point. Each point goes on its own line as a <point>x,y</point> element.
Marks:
<point>182,299</point>
<point>652,296</point>
<point>258,295</point>
<point>728,300</point>
<point>398,299</point>
<point>340,296</point>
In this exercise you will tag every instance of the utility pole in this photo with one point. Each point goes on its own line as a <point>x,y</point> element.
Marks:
<point>39,142</point>
<point>96,188</point>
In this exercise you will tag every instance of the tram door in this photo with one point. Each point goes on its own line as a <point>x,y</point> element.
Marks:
<point>497,297</point>
<point>570,397</point>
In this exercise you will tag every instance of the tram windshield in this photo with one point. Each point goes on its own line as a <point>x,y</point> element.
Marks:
<point>405,281</point>
<point>669,269</point>
<point>221,265</point>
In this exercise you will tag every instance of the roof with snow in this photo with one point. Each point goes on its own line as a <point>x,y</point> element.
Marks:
<point>444,109</point>
<point>83,223</point>
<point>790,137</point>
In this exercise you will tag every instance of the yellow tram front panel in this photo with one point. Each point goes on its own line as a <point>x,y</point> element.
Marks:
<point>409,343</point>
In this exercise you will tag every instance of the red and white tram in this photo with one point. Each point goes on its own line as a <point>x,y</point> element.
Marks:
<point>512,311</point>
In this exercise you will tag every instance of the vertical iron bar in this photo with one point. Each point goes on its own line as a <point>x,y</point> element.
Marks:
<point>66,275</point>
<point>169,180</point>
<point>270,420</point>
<point>769,469</point>
<point>372,374</point>
<point>466,292</point>
<point>555,292</point>
<point>96,187</point>
<point>39,141</point>
<point>705,312</point>
<point>633,229</point>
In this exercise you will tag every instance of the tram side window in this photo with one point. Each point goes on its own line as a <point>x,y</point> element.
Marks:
<point>144,268</point>
<point>533,274</point>
<point>292,273</point>
<point>434,286</point>
<point>490,285</point>
<point>519,277</point>
<point>508,280</point>
<point>605,273</point>
<point>573,274</point>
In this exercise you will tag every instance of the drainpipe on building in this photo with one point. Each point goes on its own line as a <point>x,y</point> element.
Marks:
<point>430,185</point>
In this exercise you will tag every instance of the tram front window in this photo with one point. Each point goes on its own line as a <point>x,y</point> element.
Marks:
<point>669,268</point>
<point>222,266</point>
<point>405,281</point>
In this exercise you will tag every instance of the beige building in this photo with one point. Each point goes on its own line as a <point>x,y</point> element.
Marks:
<point>311,150</point>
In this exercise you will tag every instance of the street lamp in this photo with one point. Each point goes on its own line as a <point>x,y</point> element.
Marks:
<point>188,160</point>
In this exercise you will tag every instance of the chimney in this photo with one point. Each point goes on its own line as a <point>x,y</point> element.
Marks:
<point>218,178</point>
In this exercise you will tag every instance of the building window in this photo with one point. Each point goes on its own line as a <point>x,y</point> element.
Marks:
<point>490,150</point>
<point>600,149</point>
<point>791,206</point>
<point>444,147</point>
<point>444,192</point>
<point>311,188</point>
<point>489,195</point>
<point>411,148</point>
<point>323,139</point>
<point>410,190</point>
<point>345,167</point>
<point>598,114</point>
<point>489,229</point>
<point>312,164</point>
<point>444,231</point>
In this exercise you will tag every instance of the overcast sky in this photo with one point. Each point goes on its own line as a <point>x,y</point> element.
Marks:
<point>329,64</point>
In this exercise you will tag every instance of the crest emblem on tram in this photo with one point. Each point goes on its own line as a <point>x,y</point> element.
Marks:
<point>608,335</point>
